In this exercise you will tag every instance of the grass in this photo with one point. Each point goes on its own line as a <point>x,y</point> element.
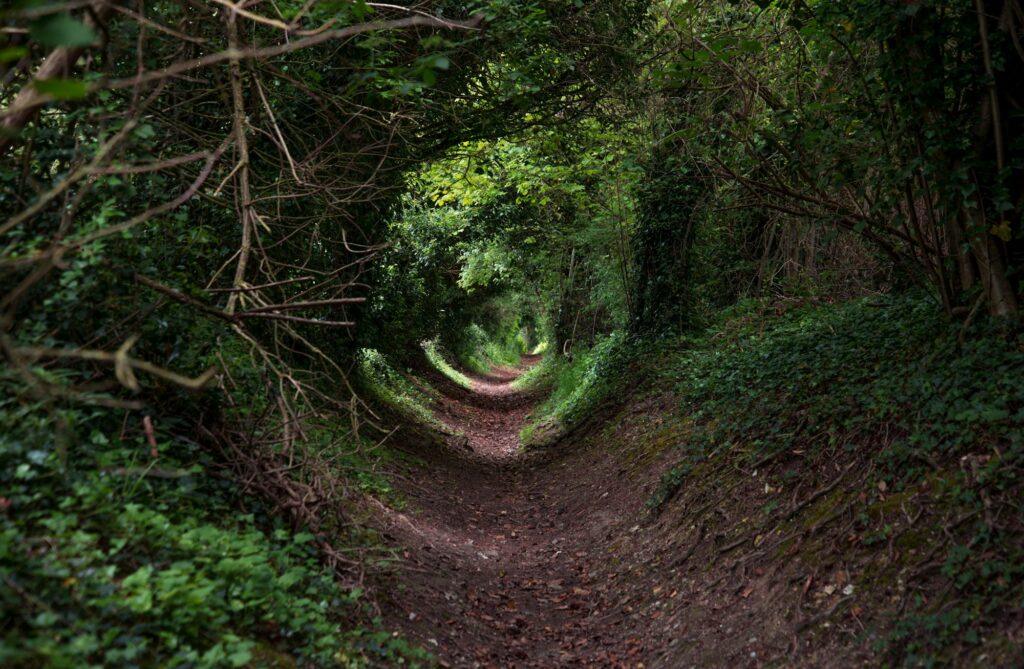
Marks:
<point>578,386</point>
<point>538,377</point>
<point>437,359</point>
<point>385,384</point>
<point>479,351</point>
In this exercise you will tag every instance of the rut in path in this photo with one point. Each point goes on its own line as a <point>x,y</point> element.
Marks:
<point>506,556</point>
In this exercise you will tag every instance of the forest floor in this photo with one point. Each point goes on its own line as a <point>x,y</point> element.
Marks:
<point>550,558</point>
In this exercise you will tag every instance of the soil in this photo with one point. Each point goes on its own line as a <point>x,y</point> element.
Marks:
<point>551,559</point>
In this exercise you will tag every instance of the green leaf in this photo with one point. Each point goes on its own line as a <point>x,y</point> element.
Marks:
<point>751,46</point>
<point>1002,231</point>
<point>61,30</point>
<point>12,53</point>
<point>62,89</point>
<point>240,657</point>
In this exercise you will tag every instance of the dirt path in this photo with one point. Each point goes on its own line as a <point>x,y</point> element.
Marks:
<point>500,549</point>
<point>551,560</point>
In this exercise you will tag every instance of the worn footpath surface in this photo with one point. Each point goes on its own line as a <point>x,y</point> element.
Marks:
<point>551,559</point>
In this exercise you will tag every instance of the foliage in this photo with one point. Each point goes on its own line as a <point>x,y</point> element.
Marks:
<point>867,120</point>
<point>890,381</point>
<point>383,383</point>
<point>191,200</point>
<point>439,360</point>
<point>549,209</point>
<point>837,371</point>
<point>115,552</point>
<point>580,386</point>
<point>663,282</point>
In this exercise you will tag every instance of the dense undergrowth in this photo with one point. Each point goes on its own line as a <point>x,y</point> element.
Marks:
<point>480,350</point>
<point>156,541</point>
<point>118,551</point>
<point>577,386</point>
<point>133,545</point>
<point>382,382</point>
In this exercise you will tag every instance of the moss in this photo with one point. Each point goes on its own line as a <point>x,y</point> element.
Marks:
<point>821,510</point>
<point>891,503</point>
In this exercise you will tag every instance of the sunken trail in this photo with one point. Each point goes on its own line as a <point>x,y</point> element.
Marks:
<point>520,560</point>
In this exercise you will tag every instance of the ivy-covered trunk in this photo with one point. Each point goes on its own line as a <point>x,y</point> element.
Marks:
<point>662,245</point>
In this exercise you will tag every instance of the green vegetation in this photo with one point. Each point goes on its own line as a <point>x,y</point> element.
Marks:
<point>822,377</point>
<point>183,252</point>
<point>578,387</point>
<point>235,240</point>
<point>151,559</point>
<point>387,385</point>
<point>886,383</point>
